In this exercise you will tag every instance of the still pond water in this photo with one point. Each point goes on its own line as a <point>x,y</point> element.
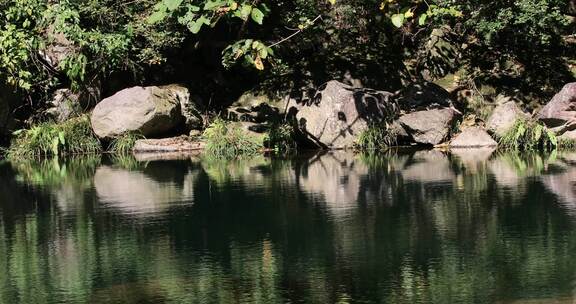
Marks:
<point>417,227</point>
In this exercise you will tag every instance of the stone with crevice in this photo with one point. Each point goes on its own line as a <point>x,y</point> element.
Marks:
<point>339,113</point>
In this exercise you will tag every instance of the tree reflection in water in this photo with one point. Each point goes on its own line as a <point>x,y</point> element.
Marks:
<point>417,227</point>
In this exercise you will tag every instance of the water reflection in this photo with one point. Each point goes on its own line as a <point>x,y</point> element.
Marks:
<point>413,227</point>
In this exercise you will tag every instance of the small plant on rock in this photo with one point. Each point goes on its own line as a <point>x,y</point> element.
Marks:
<point>377,137</point>
<point>528,134</point>
<point>224,140</point>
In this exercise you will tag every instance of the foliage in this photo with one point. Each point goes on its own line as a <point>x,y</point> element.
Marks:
<point>280,138</point>
<point>286,45</point>
<point>124,144</point>
<point>377,137</point>
<point>196,14</point>
<point>94,37</point>
<point>528,135</point>
<point>54,139</point>
<point>228,140</point>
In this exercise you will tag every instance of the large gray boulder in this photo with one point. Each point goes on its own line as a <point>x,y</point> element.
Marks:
<point>559,114</point>
<point>473,137</point>
<point>429,127</point>
<point>504,117</point>
<point>149,111</point>
<point>339,113</point>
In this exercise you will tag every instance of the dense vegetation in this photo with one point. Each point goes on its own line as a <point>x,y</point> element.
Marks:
<point>221,48</point>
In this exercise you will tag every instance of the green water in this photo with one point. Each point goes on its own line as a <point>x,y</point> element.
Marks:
<point>418,227</point>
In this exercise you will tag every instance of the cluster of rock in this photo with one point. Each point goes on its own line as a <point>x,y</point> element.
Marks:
<point>333,118</point>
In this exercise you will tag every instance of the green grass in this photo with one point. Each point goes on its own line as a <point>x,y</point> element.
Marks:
<point>377,138</point>
<point>229,140</point>
<point>124,144</point>
<point>74,136</point>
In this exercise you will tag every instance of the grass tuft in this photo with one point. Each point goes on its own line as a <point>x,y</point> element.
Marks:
<point>74,136</point>
<point>124,144</point>
<point>377,138</point>
<point>226,140</point>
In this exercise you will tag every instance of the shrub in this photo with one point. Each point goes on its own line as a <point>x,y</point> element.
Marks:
<point>227,140</point>
<point>528,135</point>
<point>74,136</point>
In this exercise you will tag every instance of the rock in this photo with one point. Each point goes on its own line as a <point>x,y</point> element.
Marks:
<point>568,135</point>
<point>250,99</point>
<point>338,114</point>
<point>262,113</point>
<point>191,107</point>
<point>64,105</point>
<point>58,48</point>
<point>424,96</point>
<point>174,144</point>
<point>503,118</point>
<point>560,113</point>
<point>149,111</point>
<point>473,137</point>
<point>430,127</point>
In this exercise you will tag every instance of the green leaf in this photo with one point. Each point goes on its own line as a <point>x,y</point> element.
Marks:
<point>172,5</point>
<point>263,52</point>
<point>61,137</point>
<point>211,5</point>
<point>422,19</point>
<point>397,20</point>
<point>156,17</point>
<point>257,16</point>
<point>197,25</point>
<point>245,11</point>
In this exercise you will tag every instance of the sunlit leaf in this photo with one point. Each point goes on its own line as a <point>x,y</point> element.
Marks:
<point>157,16</point>
<point>172,4</point>
<point>257,15</point>
<point>397,20</point>
<point>422,19</point>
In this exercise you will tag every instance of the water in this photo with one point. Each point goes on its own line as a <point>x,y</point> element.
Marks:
<point>417,227</point>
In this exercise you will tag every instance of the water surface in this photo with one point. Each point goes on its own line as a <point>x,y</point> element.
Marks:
<point>416,227</point>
